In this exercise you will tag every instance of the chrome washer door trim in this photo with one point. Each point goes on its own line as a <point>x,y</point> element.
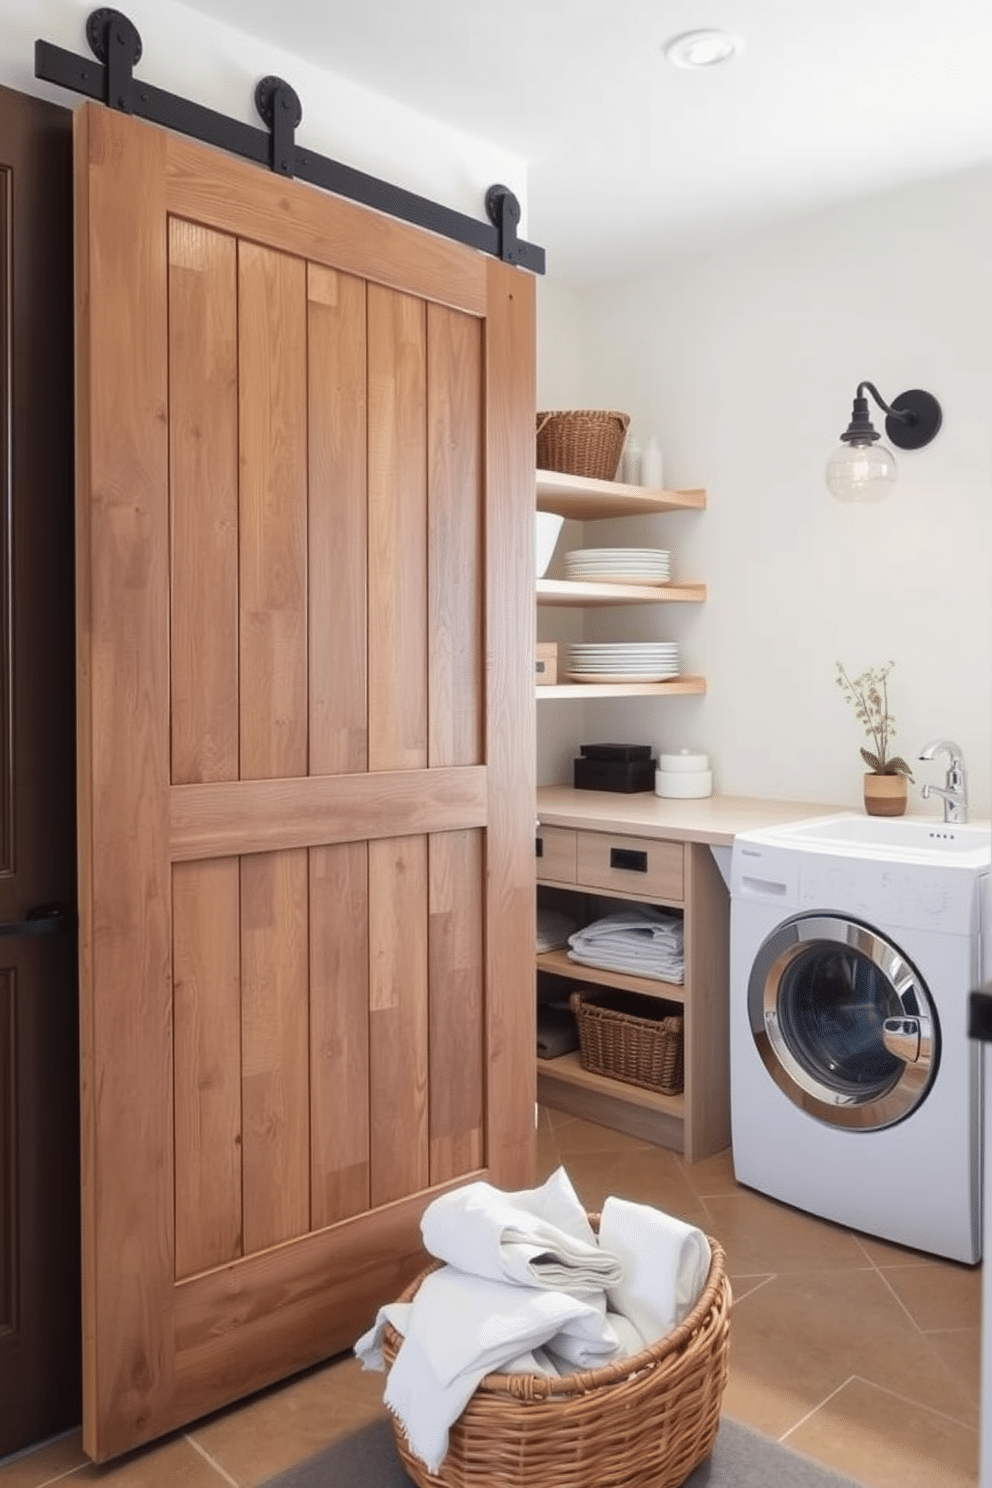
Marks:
<point>912,1059</point>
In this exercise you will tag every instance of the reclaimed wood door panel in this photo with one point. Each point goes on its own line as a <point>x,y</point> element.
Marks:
<point>306,763</point>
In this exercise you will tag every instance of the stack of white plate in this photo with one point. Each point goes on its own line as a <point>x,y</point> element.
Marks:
<point>619,565</point>
<point>623,661</point>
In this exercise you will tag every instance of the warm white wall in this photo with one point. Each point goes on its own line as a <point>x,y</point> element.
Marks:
<point>745,361</point>
<point>219,66</point>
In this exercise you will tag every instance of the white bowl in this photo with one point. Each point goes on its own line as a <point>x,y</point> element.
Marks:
<point>548,526</point>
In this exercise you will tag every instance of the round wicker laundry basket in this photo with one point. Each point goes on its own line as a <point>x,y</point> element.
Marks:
<point>643,1422</point>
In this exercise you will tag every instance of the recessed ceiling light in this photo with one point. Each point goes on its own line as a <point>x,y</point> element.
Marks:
<point>702,48</point>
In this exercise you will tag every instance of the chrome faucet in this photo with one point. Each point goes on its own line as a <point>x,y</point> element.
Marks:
<point>955,789</point>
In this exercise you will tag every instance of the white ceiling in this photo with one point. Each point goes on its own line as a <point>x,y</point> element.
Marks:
<point>630,158</point>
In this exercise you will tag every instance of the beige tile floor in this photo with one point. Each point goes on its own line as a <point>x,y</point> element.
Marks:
<point>855,1352</point>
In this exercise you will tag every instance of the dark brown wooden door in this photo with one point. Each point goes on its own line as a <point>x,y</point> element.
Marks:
<point>306,762</point>
<point>39,1079</point>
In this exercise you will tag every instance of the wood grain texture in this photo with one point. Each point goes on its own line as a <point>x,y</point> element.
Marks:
<point>397,532</point>
<point>272,391</point>
<point>457,1005</point>
<point>274,1048</point>
<point>234,196</point>
<point>207,1037</point>
<point>203,467</point>
<point>510,747</point>
<point>158,1351</point>
<point>707,1006</point>
<point>660,879</point>
<point>123,778</point>
<point>338,523</point>
<point>83,441</point>
<point>455,584</point>
<point>267,815</point>
<point>398,1013</point>
<point>339,1033</point>
<point>244,1325</point>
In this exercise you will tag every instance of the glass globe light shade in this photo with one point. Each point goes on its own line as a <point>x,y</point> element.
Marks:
<point>861,472</point>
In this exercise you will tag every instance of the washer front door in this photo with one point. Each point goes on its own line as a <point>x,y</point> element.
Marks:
<point>843,1022</point>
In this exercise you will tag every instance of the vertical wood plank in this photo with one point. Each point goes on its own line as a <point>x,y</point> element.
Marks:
<point>272,379</point>
<point>274,1047</point>
<point>203,465</point>
<point>122,487</point>
<point>339,1032</point>
<point>707,1008</point>
<point>398,1040</point>
<point>455,583</point>
<point>397,440</point>
<point>207,1038</point>
<point>510,750</point>
<point>457,1005</point>
<point>338,523</point>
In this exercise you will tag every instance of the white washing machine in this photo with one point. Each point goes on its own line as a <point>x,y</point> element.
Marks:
<point>856,1093</point>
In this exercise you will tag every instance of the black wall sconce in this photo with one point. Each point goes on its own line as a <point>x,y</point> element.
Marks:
<point>862,469</point>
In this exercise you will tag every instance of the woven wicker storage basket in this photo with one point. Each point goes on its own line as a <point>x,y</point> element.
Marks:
<point>586,441</point>
<point>644,1422</point>
<point>631,1038</point>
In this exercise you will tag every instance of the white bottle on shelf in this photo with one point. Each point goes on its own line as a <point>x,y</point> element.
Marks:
<point>630,462</point>
<point>651,464</point>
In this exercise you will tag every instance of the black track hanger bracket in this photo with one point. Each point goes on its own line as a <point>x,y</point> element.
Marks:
<point>116,45</point>
<point>116,42</point>
<point>282,111</point>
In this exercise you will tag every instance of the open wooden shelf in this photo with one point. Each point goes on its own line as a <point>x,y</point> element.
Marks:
<point>569,592</point>
<point>567,1069</point>
<point>677,687</point>
<point>558,963</point>
<point>583,499</point>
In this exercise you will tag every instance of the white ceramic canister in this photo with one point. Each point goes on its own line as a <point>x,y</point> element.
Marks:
<point>683,776</point>
<point>652,473</point>
<point>630,463</point>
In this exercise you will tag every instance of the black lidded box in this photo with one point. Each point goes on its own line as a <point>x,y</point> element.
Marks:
<point>615,767</point>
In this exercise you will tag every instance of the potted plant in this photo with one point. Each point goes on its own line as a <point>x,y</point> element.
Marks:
<point>885,781</point>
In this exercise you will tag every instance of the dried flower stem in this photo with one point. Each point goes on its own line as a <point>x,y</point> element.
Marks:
<point>868,694</point>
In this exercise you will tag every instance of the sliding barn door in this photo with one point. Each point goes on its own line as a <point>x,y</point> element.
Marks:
<point>305,487</point>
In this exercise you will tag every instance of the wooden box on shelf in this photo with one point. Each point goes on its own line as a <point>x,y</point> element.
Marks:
<point>546,664</point>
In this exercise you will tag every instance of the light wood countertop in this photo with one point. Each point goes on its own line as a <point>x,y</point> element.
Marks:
<point>711,819</point>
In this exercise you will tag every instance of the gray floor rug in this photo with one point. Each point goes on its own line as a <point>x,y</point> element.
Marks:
<point>741,1459</point>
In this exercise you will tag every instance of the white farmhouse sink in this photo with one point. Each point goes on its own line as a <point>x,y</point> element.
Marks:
<point>894,837</point>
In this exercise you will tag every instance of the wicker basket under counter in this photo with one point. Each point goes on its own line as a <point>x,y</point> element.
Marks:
<point>629,1037</point>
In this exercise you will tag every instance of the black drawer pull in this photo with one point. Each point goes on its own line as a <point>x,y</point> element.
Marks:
<point>625,857</point>
<point>539,847</point>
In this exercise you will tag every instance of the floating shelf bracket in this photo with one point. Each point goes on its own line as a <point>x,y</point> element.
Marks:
<point>116,46</point>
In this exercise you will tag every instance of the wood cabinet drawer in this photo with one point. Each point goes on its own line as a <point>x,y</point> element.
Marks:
<point>629,865</point>
<point>556,854</point>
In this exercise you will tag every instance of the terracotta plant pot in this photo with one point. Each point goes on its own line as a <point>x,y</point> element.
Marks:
<point>885,795</point>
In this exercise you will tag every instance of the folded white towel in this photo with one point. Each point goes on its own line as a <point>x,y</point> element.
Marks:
<point>536,1237</point>
<point>459,1329</point>
<point>665,1263</point>
<point>636,963</point>
<point>644,941</point>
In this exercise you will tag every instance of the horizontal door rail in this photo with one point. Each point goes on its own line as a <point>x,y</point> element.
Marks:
<point>116,45</point>
<point>222,819</point>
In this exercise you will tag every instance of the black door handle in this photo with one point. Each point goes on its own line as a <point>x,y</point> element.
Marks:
<point>43,919</point>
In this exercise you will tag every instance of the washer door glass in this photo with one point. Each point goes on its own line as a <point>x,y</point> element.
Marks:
<point>842,1022</point>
